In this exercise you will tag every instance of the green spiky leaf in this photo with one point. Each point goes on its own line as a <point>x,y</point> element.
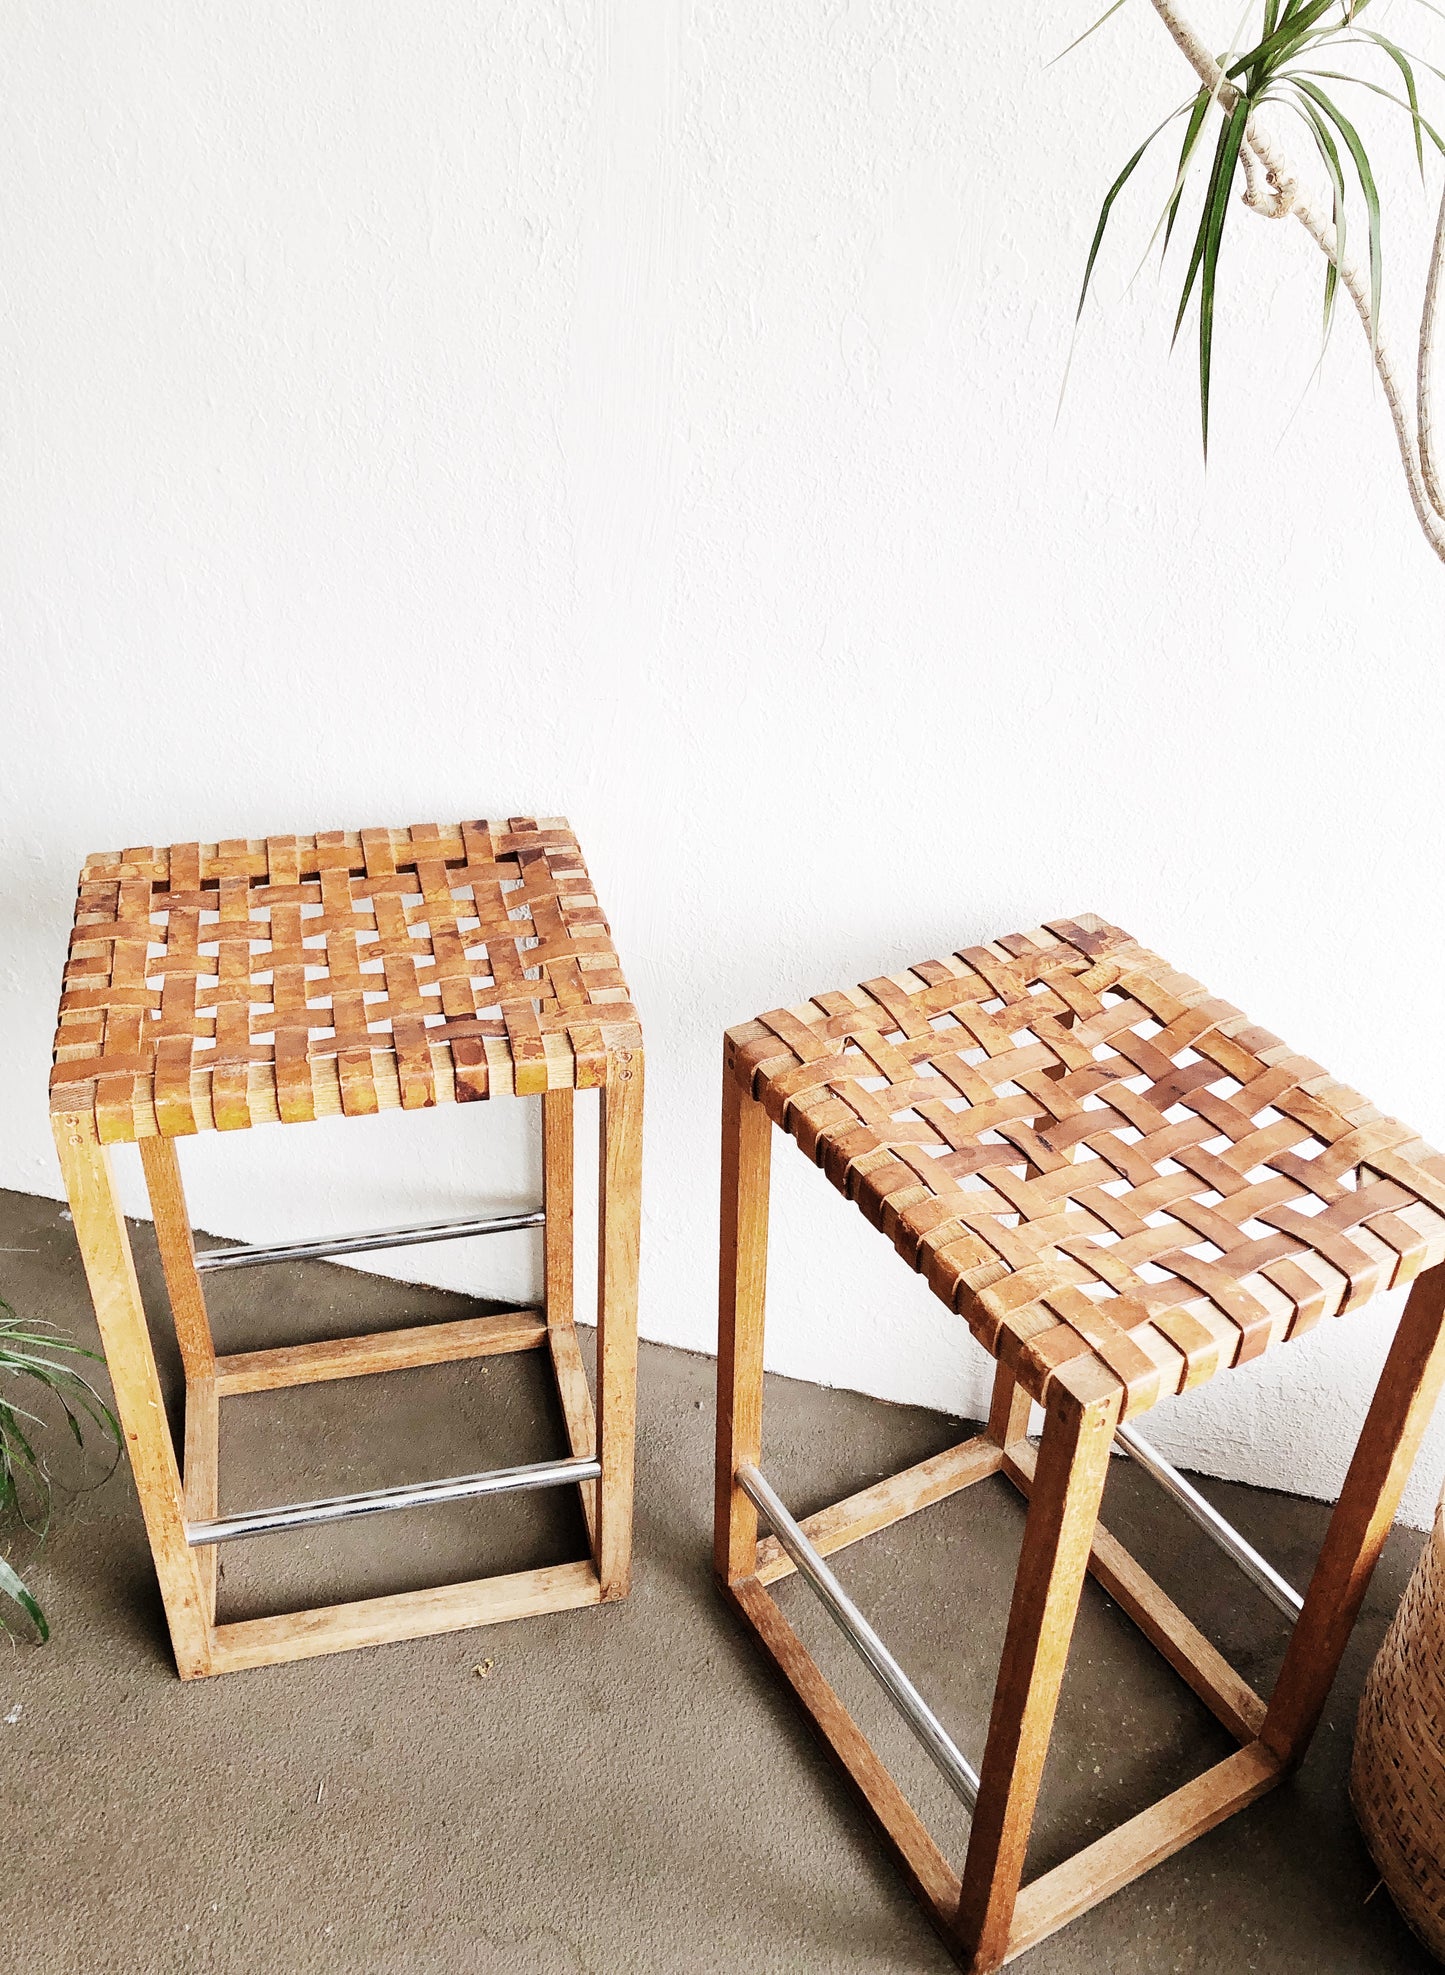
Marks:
<point>1107,15</point>
<point>38,1358</point>
<point>1329,153</point>
<point>13,1586</point>
<point>1216,206</point>
<point>1403,64</point>
<point>1367,184</point>
<point>1192,133</point>
<point>1108,206</point>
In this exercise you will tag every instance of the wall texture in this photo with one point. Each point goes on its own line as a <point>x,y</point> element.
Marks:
<point>648,411</point>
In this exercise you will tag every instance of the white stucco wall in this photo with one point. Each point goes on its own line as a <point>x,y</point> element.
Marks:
<point>645,411</point>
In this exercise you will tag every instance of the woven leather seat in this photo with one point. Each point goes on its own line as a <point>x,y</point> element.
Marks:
<point>227,985</point>
<point>1090,1158</point>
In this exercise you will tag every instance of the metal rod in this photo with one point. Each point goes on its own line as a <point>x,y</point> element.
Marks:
<point>960,1773</point>
<point>415,1495</point>
<point>357,1244</point>
<point>1280,1592</point>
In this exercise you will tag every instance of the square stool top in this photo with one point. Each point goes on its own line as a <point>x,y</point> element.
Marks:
<point>216,986</point>
<point>1110,1174</point>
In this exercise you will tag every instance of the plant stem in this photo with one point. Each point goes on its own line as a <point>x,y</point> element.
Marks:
<point>1427,352</point>
<point>1419,469</point>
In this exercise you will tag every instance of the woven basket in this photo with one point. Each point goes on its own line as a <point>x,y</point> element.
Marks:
<point>1397,1779</point>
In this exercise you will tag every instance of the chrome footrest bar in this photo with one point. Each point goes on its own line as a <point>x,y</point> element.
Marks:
<point>414,1495</point>
<point>412,1236</point>
<point>1280,1592</point>
<point>939,1744</point>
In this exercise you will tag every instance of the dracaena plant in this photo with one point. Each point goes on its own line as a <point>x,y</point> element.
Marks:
<point>1286,64</point>
<point>37,1360</point>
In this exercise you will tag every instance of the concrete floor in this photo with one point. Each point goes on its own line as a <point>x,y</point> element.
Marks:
<point>617,1789</point>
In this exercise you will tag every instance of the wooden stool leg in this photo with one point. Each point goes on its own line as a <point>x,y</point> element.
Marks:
<point>1068,1485</point>
<point>742,1284</point>
<point>1399,1413</point>
<point>200,1472</point>
<point>178,1257</point>
<point>558,1141</point>
<point>619,1231</point>
<point>559,1248</point>
<point>1009,1409</point>
<point>100,1231</point>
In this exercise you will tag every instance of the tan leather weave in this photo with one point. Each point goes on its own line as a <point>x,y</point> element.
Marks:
<point>224,985</point>
<point>1095,1162</point>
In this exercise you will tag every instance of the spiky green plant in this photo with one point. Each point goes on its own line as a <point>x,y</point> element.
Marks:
<point>38,1355</point>
<point>1285,57</point>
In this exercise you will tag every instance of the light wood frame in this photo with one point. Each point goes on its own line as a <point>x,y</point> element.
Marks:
<point>172,1494</point>
<point>986,1915</point>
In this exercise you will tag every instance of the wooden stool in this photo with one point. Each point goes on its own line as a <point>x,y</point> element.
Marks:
<point>1124,1188</point>
<point>217,986</point>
